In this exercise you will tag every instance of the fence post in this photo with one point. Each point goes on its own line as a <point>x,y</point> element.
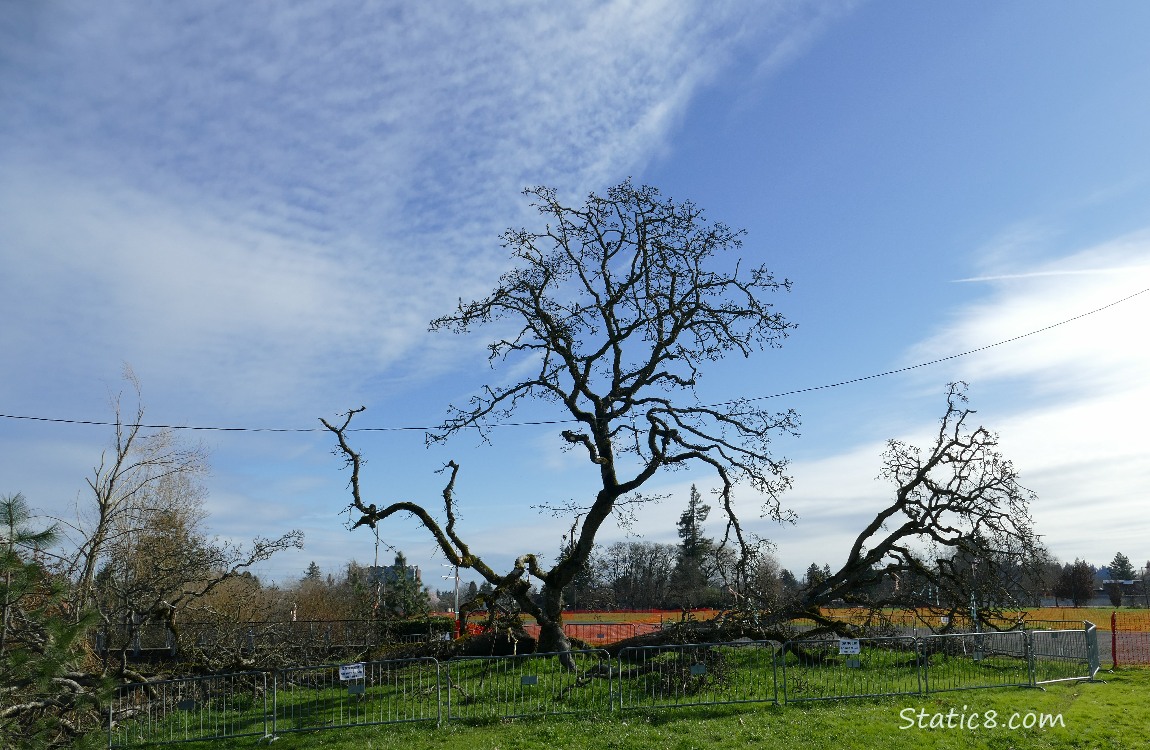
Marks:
<point>1114,638</point>
<point>1031,665</point>
<point>921,657</point>
<point>924,666</point>
<point>275,707</point>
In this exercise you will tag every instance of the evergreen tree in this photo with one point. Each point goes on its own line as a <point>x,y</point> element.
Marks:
<point>815,575</point>
<point>44,702</point>
<point>691,579</point>
<point>1121,568</point>
<point>403,593</point>
<point>790,583</point>
<point>693,543</point>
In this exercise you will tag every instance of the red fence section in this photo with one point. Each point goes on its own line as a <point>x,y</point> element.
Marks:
<point>1130,638</point>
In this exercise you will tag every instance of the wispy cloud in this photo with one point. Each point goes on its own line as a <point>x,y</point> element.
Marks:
<point>260,207</point>
<point>1068,272</point>
<point>1070,403</point>
<point>1089,356</point>
<point>276,200</point>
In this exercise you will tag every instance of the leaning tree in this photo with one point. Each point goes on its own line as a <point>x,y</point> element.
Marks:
<point>956,537</point>
<point>618,306</point>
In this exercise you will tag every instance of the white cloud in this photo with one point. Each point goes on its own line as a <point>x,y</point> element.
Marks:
<point>1070,403</point>
<point>266,201</point>
<point>1093,354</point>
<point>260,208</point>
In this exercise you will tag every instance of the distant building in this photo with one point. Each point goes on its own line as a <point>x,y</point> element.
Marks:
<point>388,574</point>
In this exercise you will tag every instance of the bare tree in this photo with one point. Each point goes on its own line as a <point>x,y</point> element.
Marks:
<point>957,536</point>
<point>618,305</point>
<point>140,554</point>
<point>120,484</point>
<point>1076,583</point>
<point>162,564</point>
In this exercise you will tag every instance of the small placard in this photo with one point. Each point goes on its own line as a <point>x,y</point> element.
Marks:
<point>944,620</point>
<point>529,679</point>
<point>357,689</point>
<point>849,646</point>
<point>186,705</point>
<point>697,670</point>
<point>854,662</point>
<point>351,672</point>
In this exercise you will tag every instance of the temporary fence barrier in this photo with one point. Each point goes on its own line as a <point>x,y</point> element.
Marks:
<point>829,668</point>
<point>969,661</point>
<point>696,674</point>
<point>378,692</point>
<point>192,708</point>
<point>591,681</point>
<point>528,684</point>
<point>1064,654</point>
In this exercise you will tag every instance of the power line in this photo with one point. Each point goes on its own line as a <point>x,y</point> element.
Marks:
<point>797,391</point>
<point>942,359</point>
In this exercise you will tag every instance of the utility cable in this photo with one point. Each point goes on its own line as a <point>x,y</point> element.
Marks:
<point>797,391</point>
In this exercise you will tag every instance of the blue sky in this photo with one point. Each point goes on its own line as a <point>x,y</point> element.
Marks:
<point>259,207</point>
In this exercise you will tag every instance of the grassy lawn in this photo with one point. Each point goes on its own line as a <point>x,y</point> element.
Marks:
<point>1114,714</point>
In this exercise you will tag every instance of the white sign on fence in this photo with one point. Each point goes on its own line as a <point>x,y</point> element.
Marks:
<point>849,646</point>
<point>351,672</point>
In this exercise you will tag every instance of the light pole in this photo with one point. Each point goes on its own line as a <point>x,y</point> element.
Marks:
<point>456,577</point>
<point>973,585</point>
<point>458,623</point>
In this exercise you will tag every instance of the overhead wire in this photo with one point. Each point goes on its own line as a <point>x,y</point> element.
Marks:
<point>781,394</point>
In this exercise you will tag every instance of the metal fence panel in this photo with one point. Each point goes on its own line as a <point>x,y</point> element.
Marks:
<point>967,661</point>
<point>817,669</point>
<point>388,692</point>
<point>697,674</point>
<point>528,685</point>
<point>194,708</point>
<point>1065,654</point>
<point>410,690</point>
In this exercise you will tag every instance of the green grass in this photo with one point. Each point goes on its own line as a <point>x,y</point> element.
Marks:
<point>1114,714</point>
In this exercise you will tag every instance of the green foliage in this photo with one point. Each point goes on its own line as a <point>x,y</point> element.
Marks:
<point>1076,583</point>
<point>402,594</point>
<point>1121,568</point>
<point>418,626</point>
<point>694,544</point>
<point>43,701</point>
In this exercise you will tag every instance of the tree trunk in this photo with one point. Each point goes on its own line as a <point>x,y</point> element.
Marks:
<point>552,639</point>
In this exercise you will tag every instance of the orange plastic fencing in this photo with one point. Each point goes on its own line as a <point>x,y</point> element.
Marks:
<point>1130,637</point>
<point>601,633</point>
<point>1128,631</point>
